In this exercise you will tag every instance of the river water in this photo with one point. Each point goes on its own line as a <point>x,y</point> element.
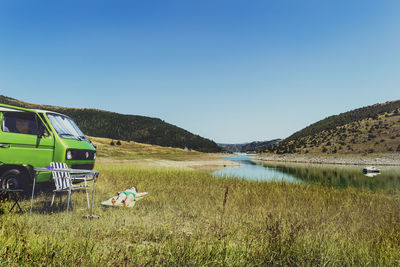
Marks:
<point>326,174</point>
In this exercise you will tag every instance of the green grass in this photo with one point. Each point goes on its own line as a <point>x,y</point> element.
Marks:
<point>183,222</point>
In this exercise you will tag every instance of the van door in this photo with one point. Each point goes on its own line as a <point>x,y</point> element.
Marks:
<point>20,142</point>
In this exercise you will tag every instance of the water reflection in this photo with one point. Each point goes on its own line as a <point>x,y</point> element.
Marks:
<point>372,174</point>
<point>329,175</point>
<point>341,176</point>
<point>250,170</point>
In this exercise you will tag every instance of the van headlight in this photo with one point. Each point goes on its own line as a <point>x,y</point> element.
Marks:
<point>94,155</point>
<point>69,154</point>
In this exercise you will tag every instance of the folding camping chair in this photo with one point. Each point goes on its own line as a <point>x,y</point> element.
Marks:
<point>13,195</point>
<point>64,183</point>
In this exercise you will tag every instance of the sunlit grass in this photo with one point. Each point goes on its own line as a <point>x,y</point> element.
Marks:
<point>181,222</point>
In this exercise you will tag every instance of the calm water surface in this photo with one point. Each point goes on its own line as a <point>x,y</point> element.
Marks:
<point>329,175</point>
<point>253,171</point>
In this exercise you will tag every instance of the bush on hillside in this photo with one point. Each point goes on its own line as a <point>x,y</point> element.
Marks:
<point>330,123</point>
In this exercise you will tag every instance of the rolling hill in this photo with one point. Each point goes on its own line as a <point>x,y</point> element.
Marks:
<point>370,129</point>
<point>256,146</point>
<point>117,126</point>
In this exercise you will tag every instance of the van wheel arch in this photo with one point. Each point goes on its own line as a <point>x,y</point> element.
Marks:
<point>15,174</point>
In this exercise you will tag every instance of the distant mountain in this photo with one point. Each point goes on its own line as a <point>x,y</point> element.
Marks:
<point>256,146</point>
<point>370,129</point>
<point>116,126</point>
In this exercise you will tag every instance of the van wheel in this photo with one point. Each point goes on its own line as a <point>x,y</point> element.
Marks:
<point>14,179</point>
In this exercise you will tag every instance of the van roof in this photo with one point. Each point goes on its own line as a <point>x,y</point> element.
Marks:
<point>37,110</point>
<point>46,111</point>
<point>9,109</point>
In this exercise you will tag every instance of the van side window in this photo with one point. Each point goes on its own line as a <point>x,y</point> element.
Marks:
<point>19,122</point>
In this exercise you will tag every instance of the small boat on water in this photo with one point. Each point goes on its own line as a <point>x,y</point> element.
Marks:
<point>371,169</point>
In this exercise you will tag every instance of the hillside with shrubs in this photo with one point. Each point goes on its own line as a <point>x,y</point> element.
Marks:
<point>140,129</point>
<point>371,129</point>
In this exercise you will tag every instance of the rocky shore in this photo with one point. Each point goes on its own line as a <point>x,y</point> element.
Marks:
<point>383,159</point>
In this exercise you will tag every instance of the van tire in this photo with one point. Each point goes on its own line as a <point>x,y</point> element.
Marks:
<point>15,179</point>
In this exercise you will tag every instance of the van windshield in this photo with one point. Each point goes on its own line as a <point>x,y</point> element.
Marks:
<point>65,127</point>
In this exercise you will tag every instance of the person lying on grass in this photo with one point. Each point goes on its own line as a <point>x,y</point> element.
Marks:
<point>125,196</point>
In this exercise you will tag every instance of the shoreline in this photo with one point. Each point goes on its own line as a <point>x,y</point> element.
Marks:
<point>211,162</point>
<point>380,160</point>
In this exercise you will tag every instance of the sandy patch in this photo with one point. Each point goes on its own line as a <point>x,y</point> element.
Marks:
<point>212,163</point>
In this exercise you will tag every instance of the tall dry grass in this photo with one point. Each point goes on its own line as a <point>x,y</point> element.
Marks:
<point>187,220</point>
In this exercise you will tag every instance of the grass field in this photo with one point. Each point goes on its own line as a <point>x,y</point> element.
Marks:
<point>138,151</point>
<point>187,220</point>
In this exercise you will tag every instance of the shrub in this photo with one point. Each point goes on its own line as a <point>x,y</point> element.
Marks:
<point>112,143</point>
<point>398,148</point>
<point>118,143</point>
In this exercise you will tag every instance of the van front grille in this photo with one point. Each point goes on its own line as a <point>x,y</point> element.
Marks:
<point>83,166</point>
<point>79,154</point>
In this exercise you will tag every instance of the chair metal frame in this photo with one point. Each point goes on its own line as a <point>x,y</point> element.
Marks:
<point>69,175</point>
<point>14,195</point>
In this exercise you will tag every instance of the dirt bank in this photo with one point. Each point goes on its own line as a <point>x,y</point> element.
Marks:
<point>208,162</point>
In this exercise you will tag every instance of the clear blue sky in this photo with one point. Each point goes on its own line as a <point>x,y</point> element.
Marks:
<point>231,71</point>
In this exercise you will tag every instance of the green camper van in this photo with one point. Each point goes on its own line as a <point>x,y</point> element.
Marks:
<point>31,138</point>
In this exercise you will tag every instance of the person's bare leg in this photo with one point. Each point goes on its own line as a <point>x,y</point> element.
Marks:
<point>130,198</point>
<point>120,199</point>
